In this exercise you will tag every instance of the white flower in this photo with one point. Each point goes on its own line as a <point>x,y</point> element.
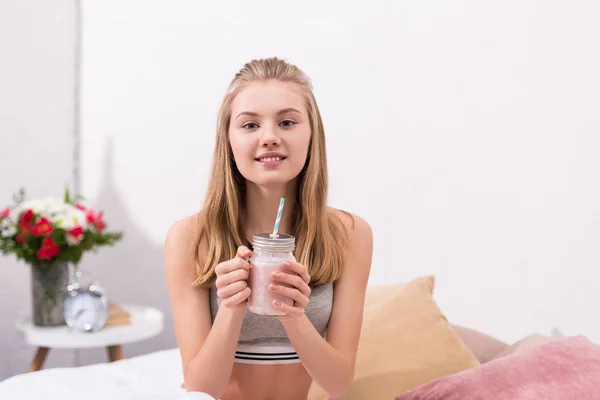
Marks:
<point>8,229</point>
<point>69,218</point>
<point>45,207</point>
<point>36,206</point>
<point>62,215</point>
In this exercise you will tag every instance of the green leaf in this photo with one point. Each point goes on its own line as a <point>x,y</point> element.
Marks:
<point>19,196</point>
<point>67,195</point>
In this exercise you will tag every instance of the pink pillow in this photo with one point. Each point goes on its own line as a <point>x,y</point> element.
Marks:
<point>560,370</point>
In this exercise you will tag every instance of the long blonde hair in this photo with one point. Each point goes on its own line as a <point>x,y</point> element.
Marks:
<point>320,235</point>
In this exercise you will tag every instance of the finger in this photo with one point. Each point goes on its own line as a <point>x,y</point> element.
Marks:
<point>230,277</point>
<point>231,265</point>
<point>237,298</point>
<point>230,290</point>
<point>297,268</point>
<point>288,310</point>
<point>292,293</point>
<point>243,252</point>
<point>292,280</point>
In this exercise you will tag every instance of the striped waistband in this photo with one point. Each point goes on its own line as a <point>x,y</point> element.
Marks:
<point>253,354</point>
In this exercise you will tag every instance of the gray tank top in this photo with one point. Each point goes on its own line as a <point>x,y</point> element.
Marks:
<point>263,339</point>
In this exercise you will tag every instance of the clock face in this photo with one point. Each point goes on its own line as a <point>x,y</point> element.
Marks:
<point>86,311</point>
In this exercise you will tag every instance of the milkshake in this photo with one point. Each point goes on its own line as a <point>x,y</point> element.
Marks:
<point>267,257</point>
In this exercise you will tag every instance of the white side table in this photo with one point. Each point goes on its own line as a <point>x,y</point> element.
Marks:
<point>146,322</point>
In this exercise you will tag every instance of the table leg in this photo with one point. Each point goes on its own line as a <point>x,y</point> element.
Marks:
<point>38,360</point>
<point>115,353</point>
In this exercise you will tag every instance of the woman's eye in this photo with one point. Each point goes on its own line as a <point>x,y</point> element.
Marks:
<point>287,123</point>
<point>250,125</point>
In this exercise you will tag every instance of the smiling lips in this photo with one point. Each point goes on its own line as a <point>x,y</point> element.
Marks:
<point>270,159</point>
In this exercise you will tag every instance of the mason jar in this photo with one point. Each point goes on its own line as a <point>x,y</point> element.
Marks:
<point>268,255</point>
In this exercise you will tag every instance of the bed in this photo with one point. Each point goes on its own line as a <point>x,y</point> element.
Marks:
<point>150,377</point>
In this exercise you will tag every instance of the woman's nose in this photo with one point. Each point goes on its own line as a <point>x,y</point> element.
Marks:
<point>269,138</point>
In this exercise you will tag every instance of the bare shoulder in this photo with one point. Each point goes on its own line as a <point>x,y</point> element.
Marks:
<point>183,229</point>
<point>359,252</point>
<point>180,242</point>
<point>357,227</point>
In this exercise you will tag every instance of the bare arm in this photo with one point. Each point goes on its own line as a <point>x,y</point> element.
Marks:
<point>207,353</point>
<point>331,362</point>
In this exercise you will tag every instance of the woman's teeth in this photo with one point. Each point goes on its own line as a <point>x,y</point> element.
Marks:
<point>269,159</point>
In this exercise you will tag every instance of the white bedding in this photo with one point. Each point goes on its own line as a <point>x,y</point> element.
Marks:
<point>150,377</point>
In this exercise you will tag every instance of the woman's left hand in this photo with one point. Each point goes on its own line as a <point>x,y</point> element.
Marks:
<point>298,280</point>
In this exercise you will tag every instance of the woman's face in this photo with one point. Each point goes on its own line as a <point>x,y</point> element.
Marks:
<point>269,132</point>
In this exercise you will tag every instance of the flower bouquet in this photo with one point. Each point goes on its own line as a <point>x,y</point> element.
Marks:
<point>49,235</point>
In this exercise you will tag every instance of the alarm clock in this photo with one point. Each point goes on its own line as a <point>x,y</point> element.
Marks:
<point>86,306</point>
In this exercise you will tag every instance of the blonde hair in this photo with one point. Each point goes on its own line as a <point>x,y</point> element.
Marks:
<point>320,234</point>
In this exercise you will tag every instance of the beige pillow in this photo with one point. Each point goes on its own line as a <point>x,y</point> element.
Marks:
<point>405,341</point>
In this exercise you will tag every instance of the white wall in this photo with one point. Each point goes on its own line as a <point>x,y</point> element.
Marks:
<point>37,42</point>
<point>467,133</point>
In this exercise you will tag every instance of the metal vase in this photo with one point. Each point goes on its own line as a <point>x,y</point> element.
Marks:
<point>48,289</point>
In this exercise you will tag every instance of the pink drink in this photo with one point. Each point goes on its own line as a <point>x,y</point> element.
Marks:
<point>261,298</point>
<point>267,257</point>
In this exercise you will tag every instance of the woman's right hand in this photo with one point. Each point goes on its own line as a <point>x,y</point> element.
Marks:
<point>232,276</point>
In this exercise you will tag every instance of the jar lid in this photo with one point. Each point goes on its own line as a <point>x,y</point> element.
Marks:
<point>267,240</point>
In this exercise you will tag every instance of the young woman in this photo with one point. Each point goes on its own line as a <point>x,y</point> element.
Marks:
<point>270,144</point>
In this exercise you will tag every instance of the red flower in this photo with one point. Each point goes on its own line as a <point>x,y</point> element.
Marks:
<point>99,222</point>
<point>76,232</point>
<point>5,213</point>
<point>80,206</point>
<point>89,213</point>
<point>74,236</point>
<point>26,218</point>
<point>42,228</point>
<point>49,249</point>
<point>25,226</point>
